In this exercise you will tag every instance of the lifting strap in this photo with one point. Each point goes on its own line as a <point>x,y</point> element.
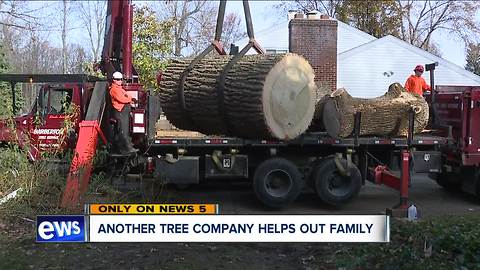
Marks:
<point>252,43</point>
<point>216,44</point>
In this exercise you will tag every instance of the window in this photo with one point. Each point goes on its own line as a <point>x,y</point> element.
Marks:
<point>57,100</point>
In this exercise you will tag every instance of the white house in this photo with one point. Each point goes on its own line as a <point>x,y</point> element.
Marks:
<point>366,66</point>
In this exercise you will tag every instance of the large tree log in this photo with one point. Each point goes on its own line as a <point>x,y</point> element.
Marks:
<point>386,115</point>
<point>265,96</point>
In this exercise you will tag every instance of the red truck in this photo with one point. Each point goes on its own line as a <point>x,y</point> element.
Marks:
<point>40,128</point>
<point>278,170</point>
<point>458,112</point>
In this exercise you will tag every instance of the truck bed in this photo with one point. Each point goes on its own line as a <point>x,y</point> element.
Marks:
<point>319,138</point>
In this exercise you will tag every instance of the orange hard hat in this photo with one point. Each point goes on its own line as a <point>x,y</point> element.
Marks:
<point>418,68</point>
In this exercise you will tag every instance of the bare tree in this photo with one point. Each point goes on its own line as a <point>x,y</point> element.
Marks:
<point>64,36</point>
<point>17,19</point>
<point>329,7</point>
<point>29,49</point>
<point>38,56</point>
<point>421,19</point>
<point>203,35</point>
<point>19,14</point>
<point>77,58</point>
<point>232,29</point>
<point>92,15</point>
<point>184,14</point>
<point>194,26</point>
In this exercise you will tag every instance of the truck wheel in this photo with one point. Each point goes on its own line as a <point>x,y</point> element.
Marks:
<point>277,182</point>
<point>449,181</point>
<point>332,187</point>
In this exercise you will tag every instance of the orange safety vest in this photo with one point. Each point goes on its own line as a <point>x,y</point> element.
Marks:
<point>416,85</point>
<point>119,96</point>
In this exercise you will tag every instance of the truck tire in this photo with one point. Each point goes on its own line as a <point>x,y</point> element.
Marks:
<point>277,182</point>
<point>448,181</point>
<point>332,187</point>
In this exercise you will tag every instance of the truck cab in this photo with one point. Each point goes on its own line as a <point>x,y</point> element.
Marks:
<point>53,120</point>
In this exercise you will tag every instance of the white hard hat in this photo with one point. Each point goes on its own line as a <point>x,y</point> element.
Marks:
<point>117,75</point>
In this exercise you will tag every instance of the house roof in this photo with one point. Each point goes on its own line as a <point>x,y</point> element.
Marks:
<point>356,31</point>
<point>378,42</point>
<point>276,37</point>
<point>272,37</point>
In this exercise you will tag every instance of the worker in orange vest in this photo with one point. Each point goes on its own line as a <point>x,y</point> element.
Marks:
<point>121,101</point>
<point>415,83</point>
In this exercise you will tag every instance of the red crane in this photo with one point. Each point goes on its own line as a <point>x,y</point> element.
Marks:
<point>116,56</point>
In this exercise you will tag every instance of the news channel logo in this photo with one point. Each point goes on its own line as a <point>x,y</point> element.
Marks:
<point>61,229</point>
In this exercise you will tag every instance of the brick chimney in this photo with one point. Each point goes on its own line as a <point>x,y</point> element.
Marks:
<point>315,38</point>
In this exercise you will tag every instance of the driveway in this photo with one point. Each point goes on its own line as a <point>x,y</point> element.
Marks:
<point>238,198</point>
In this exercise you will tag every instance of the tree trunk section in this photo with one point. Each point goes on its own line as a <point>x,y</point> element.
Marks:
<point>386,115</point>
<point>265,96</point>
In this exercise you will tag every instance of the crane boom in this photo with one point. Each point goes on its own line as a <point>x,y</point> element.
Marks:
<point>116,56</point>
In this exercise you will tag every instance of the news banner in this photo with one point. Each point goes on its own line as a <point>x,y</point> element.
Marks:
<point>204,223</point>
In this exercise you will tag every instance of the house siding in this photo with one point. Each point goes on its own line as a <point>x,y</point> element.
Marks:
<point>368,73</point>
<point>350,37</point>
<point>366,66</point>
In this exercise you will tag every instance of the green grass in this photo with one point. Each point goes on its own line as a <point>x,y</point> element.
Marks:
<point>454,242</point>
<point>12,259</point>
<point>42,185</point>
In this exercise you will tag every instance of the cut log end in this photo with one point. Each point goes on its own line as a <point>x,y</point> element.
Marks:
<point>331,118</point>
<point>264,96</point>
<point>288,98</point>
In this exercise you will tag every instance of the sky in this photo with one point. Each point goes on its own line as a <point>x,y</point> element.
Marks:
<point>265,16</point>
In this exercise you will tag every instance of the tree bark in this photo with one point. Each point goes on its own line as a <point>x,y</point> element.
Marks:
<point>386,115</point>
<point>265,96</point>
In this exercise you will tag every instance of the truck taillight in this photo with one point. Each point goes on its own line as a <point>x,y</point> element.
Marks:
<point>138,129</point>
<point>138,121</point>
<point>138,118</point>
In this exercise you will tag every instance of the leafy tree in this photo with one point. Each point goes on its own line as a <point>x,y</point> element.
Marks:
<point>6,109</point>
<point>473,58</point>
<point>377,18</point>
<point>4,87</point>
<point>152,43</point>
